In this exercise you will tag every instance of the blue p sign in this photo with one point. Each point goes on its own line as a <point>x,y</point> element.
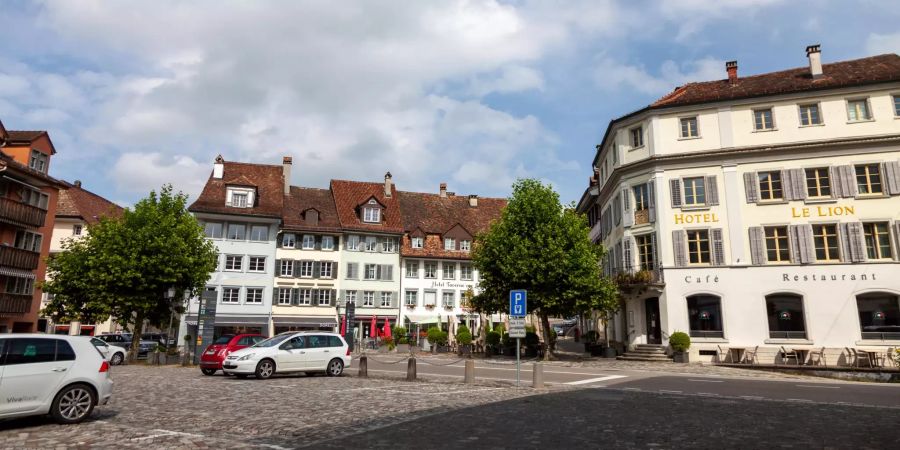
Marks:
<point>518,302</point>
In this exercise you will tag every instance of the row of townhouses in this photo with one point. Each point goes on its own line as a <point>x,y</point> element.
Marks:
<point>292,258</point>
<point>759,211</point>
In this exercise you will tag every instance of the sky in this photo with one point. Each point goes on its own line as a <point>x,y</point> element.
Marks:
<point>136,94</point>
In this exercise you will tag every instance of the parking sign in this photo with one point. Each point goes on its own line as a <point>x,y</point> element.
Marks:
<point>518,302</point>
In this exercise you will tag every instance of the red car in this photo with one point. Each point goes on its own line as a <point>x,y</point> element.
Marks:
<point>211,359</point>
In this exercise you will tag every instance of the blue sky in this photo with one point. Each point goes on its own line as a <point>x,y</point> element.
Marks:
<point>472,93</point>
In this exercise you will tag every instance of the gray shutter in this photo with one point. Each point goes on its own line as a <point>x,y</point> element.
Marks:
<point>847,175</point>
<point>295,296</point>
<point>317,269</point>
<point>627,212</point>
<point>342,297</point>
<point>717,247</point>
<point>803,249</point>
<point>277,267</point>
<point>856,237</point>
<point>314,300</point>
<point>844,240</point>
<point>297,267</point>
<point>897,239</point>
<point>892,177</point>
<point>758,255</point>
<point>675,192</point>
<point>317,243</point>
<point>679,241</point>
<point>275,296</point>
<point>712,191</point>
<point>797,183</point>
<point>333,297</point>
<point>751,187</point>
<point>617,210</point>
<point>628,244</point>
<point>651,195</point>
<point>794,243</point>
<point>653,241</point>
<point>835,182</point>
<point>386,272</point>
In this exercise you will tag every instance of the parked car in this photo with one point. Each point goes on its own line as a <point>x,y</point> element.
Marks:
<point>211,359</point>
<point>124,340</point>
<point>160,338</point>
<point>304,351</point>
<point>114,354</point>
<point>64,376</point>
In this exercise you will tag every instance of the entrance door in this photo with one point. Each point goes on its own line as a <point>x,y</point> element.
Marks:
<point>654,329</point>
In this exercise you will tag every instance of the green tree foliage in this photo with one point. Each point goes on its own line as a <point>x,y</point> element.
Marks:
<point>542,246</point>
<point>125,266</point>
<point>463,335</point>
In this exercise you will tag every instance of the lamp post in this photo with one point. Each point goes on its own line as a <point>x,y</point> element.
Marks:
<point>170,296</point>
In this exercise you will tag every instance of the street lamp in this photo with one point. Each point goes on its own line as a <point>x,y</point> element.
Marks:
<point>170,296</point>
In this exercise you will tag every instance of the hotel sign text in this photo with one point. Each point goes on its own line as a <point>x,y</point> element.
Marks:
<point>822,211</point>
<point>696,218</point>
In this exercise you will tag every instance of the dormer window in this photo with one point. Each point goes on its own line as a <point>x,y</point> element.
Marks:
<point>38,161</point>
<point>465,245</point>
<point>239,200</point>
<point>371,215</point>
<point>239,197</point>
<point>417,242</point>
<point>449,244</point>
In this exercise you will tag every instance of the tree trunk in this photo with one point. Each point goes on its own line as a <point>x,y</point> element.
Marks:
<point>136,336</point>
<point>545,325</point>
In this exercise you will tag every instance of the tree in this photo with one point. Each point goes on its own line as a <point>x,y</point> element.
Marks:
<point>125,266</point>
<point>539,245</point>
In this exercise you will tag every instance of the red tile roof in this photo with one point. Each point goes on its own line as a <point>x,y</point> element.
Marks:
<point>25,135</point>
<point>303,199</point>
<point>3,134</point>
<point>348,195</point>
<point>871,70</point>
<point>267,179</point>
<point>435,215</point>
<point>83,204</point>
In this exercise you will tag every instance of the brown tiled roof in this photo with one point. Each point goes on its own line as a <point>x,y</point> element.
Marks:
<point>871,70</point>
<point>86,205</point>
<point>302,199</point>
<point>269,183</point>
<point>25,135</point>
<point>3,134</point>
<point>348,195</point>
<point>436,215</point>
<point>13,165</point>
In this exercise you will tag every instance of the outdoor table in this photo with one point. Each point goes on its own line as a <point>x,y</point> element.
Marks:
<point>802,354</point>
<point>737,354</point>
<point>873,357</point>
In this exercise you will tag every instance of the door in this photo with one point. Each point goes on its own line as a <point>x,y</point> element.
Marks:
<point>654,328</point>
<point>32,372</point>
<point>319,352</point>
<point>291,355</point>
<point>102,346</point>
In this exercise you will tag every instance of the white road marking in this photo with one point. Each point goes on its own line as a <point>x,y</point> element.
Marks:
<point>705,381</point>
<point>664,391</point>
<point>752,397</point>
<point>707,394</point>
<point>164,433</point>
<point>631,389</point>
<point>273,446</point>
<point>525,382</point>
<point>799,400</point>
<point>595,380</point>
<point>820,387</point>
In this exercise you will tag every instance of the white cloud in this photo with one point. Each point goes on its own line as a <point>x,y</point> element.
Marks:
<point>877,44</point>
<point>612,75</point>
<point>139,173</point>
<point>512,78</point>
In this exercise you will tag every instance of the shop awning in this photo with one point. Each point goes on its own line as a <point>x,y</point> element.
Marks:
<point>305,321</point>
<point>262,321</point>
<point>423,318</point>
<point>10,272</point>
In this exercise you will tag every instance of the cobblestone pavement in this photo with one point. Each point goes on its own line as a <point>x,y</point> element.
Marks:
<point>175,407</point>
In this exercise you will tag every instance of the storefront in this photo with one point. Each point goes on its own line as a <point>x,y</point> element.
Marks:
<point>303,323</point>
<point>229,324</point>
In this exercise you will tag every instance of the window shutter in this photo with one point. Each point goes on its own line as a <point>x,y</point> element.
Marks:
<point>275,296</point>
<point>651,196</point>
<point>297,267</point>
<point>796,183</point>
<point>318,242</point>
<point>653,241</point>
<point>751,187</point>
<point>627,254</point>
<point>351,271</point>
<point>627,213</point>
<point>848,181</point>
<point>279,240</point>
<point>277,267</point>
<point>712,191</point>
<point>675,191</point>
<point>808,243</point>
<point>794,242</point>
<point>892,177</point>
<point>718,247</point>
<point>295,296</point>
<point>856,237</point>
<point>333,297</point>
<point>758,255</point>
<point>342,297</point>
<point>897,239</point>
<point>317,269</point>
<point>836,185</point>
<point>802,247</point>
<point>314,297</point>
<point>679,241</point>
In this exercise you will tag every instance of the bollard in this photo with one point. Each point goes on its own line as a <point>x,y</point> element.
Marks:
<point>363,366</point>
<point>411,369</point>
<point>470,371</point>
<point>537,372</point>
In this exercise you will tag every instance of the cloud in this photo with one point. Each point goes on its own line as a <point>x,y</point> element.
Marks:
<point>878,44</point>
<point>139,173</point>
<point>612,75</point>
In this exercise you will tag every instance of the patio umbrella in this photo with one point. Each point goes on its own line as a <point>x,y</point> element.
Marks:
<point>373,332</point>
<point>344,326</point>
<point>387,328</point>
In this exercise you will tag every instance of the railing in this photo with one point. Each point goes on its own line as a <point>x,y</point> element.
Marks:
<point>787,335</point>
<point>21,214</point>
<point>18,258</point>
<point>594,235</point>
<point>707,334</point>
<point>14,303</point>
<point>889,336</point>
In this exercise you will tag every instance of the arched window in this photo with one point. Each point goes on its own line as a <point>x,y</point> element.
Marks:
<point>785,312</point>
<point>705,316</point>
<point>879,316</point>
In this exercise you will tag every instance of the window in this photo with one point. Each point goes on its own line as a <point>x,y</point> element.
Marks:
<point>306,269</point>
<point>417,242</point>
<point>637,137</point>
<point>324,297</point>
<point>818,184</point>
<point>371,242</point>
<point>430,270</point>
<point>368,298</point>
<point>38,161</point>
<point>698,246</point>
<point>858,110</point>
<point>412,269</point>
<point>327,242</point>
<point>31,351</point>
<point>212,230</point>
<point>288,240</point>
<point>689,127</point>
<point>287,267</point>
<point>231,295</point>
<point>694,191</point>
<point>386,298</point>
<point>868,179</point>
<point>27,240</point>
<point>372,215</point>
<point>646,252</point>
<point>449,270</point>
<point>770,185</point>
<point>371,272</point>
<point>76,230</point>
<point>239,200</point>
<point>641,197</point>
<point>465,245</point>
<point>284,296</point>
<point>353,242</point>
<point>255,295</point>
<point>20,286</point>
<point>305,297</point>
<point>826,242</point>
<point>705,316</point>
<point>350,297</point>
<point>234,263</point>
<point>35,198</point>
<point>326,268</point>
<point>878,240</point>
<point>465,272</point>
<point>257,264</point>
<point>412,298</point>
<point>259,233</point>
<point>896,99</point>
<point>448,299</point>
<point>809,115</point>
<point>449,244</point>
<point>237,231</point>
<point>762,120</point>
<point>352,271</point>
<point>879,316</point>
<point>785,312</point>
<point>777,248</point>
<point>389,245</point>
<point>309,242</point>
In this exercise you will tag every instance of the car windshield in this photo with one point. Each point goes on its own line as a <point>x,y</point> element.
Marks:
<point>223,339</point>
<point>271,342</point>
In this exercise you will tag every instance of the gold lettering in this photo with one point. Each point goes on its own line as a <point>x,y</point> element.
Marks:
<point>805,212</point>
<point>679,219</point>
<point>714,218</point>
<point>849,210</point>
<point>706,217</point>
<point>794,213</point>
<point>823,212</point>
<point>689,218</point>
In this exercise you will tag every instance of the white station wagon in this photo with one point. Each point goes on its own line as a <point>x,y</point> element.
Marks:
<point>303,351</point>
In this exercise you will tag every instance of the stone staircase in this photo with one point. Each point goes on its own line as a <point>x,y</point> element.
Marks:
<point>647,352</point>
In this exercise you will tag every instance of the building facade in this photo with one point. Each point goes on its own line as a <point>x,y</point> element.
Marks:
<point>759,211</point>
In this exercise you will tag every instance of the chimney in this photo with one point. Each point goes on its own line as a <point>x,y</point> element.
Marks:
<point>219,168</point>
<point>731,68</point>
<point>814,53</point>
<point>387,184</point>
<point>473,200</point>
<point>443,190</point>
<point>77,183</point>
<point>286,164</point>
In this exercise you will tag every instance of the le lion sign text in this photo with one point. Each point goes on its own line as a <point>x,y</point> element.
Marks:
<point>517,327</point>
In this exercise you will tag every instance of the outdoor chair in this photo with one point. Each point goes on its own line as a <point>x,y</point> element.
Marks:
<point>721,354</point>
<point>817,356</point>
<point>891,361</point>
<point>785,354</point>
<point>750,355</point>
<point>851,356</point>
<point>862,356</point>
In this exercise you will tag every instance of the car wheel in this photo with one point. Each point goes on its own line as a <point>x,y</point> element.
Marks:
<point>73,404</point>
<point>265,369</point>
<point>117,358</point>
<point>335,368</point>
<point>208,372</point>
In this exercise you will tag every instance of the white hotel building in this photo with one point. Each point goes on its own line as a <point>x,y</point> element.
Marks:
<point>759,211</point>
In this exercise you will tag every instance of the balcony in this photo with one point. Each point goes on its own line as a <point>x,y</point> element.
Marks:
<point>18,258</point>
<point>21,214</point>
<point>641,283</point>
<point>14,303</point>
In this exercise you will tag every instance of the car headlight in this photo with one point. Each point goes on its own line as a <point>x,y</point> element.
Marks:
<point>245,357</point>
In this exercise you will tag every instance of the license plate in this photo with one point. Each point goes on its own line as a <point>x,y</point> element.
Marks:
<point>210,352</point>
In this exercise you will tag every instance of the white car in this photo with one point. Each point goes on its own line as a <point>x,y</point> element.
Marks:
<point>64,376</point>
<point>303,351</point>
<point>115,355</point>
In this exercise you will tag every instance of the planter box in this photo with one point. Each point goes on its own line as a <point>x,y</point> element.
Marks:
<point>597,350</point>
<point>609,352</point>
<point>402,348</point>
<point>681,357</point>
